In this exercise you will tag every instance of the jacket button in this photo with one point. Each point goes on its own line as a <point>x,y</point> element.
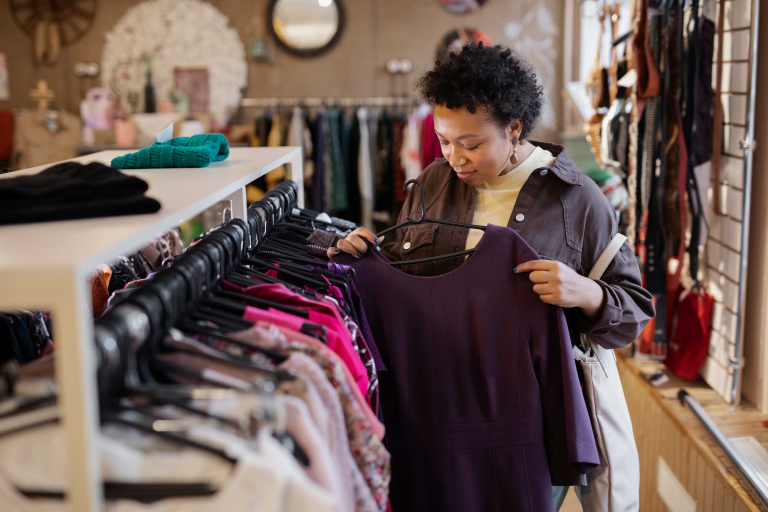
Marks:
<point>520,217</point>
<point>544,172</point>
<point>407,245</point>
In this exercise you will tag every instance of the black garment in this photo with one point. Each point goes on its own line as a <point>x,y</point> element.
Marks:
<point>73,191</point>
<point>704,95</point>
<point>28,352</point>
<point>318,178</point>
<point>38,332</point>
<point>10,348</point>
<point>700,148</point>
<point>122,274</point>
<point>656,236</point>
<point>263,125</point>
<point>353,183</point>
<point>384,177</point>
<point>16,339</point>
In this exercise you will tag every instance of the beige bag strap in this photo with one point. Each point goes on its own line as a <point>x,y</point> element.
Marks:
<point>606,257</point>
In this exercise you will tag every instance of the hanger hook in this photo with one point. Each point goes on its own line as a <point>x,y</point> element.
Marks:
<point>423,202</point>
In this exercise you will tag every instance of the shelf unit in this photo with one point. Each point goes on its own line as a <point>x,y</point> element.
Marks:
<point>46,266</point>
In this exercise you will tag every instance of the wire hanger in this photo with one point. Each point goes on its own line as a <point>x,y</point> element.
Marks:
<point>423,219</point>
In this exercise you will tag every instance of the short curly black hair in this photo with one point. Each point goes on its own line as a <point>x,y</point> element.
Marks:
<point>494,76</point>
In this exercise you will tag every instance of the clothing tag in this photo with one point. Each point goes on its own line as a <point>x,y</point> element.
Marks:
<point>165,135</point>
<point>629,79</point>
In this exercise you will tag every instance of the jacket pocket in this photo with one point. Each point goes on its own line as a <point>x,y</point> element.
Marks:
<point>418,242</point>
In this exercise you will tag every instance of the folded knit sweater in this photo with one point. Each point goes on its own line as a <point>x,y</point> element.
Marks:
<point>195,151</point>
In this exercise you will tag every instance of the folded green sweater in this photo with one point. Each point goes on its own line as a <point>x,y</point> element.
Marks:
<point>195,151</point>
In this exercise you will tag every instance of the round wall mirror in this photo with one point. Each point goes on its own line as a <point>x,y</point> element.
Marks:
<point>306,28</point>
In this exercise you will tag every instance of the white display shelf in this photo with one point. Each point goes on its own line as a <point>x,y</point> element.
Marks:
<point>47,265</point>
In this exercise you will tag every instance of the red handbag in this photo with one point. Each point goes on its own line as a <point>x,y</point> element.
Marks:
<point>689,332</point>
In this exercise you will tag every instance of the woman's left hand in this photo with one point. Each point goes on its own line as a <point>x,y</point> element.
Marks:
<point>560,285</point>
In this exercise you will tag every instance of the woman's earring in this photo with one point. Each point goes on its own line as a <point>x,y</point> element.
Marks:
<point>513,158</point>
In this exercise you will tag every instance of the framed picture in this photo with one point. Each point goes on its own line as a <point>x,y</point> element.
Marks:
<point>194,82</point>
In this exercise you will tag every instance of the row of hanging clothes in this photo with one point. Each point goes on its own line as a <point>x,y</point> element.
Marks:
<point>26,336</point>
<point>652,134</point>
<point>242,376</point>
<point>357,158</point>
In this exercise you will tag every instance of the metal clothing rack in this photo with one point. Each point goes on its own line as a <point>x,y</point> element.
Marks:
<point>350,101</point>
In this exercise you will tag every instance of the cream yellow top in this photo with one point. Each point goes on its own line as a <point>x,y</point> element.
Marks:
<point>496,199</point>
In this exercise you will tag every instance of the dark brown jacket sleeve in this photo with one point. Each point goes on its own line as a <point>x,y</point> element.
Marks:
<point>628,306</point>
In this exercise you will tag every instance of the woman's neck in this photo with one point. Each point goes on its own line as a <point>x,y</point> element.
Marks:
<point>524,150</point>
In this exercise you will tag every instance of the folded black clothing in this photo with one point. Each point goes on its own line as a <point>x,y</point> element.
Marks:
<point>71,190</point>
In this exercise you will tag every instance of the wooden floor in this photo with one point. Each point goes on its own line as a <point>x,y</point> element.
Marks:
<point>664,428</point>
<point>571,503</point>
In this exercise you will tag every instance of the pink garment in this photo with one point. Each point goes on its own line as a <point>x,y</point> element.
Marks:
<point>371,457</point>
<point>430,144</point>
<point>343,348</point>
<point>317,410</point>
<point>322,469</point>
<point>377,427</point>
<point>280,294</point>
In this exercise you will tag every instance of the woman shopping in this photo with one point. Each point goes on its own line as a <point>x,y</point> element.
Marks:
<point>547,226</point>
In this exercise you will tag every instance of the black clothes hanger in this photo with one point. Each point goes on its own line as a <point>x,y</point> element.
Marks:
<point>219,297</point>
<point>187,295</point>
<point>263,304</point>
<point>423,219</point>
<point>165,299</point>
<point>29,404</point>
<point>312,283</point>
<point>146,493</point>
<point>117,490</point>
<point>115,416</point>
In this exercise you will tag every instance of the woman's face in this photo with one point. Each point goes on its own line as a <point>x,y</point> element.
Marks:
<point>475,146</point>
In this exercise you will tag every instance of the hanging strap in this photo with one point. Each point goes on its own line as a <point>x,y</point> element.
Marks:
<point>606,257</point>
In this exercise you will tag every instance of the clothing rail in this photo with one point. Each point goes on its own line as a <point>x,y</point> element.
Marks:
<point>725,444</point>
<point>381,101</point>
<point>143,316</point>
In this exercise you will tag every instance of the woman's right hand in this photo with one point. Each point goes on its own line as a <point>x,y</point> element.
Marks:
<point>355,243</point>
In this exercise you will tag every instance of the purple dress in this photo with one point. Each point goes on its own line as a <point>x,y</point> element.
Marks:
<point>482,403</point>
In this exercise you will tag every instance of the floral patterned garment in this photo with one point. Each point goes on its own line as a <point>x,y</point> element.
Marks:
<point>371,457</point>
<point>305,367</point>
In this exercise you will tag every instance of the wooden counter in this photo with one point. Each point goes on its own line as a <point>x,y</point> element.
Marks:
<point>664,428</point>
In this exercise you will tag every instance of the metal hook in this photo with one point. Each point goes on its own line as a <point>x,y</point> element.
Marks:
<point>423,202</point>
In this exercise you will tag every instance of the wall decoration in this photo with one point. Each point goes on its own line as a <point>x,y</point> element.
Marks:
<point>455,39</point>
<point>462,6</point>
<point>534,37</point>
<point>175,34</point>
<point>53,24</point>
<point>194,83</point>
<point>5,93</point>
